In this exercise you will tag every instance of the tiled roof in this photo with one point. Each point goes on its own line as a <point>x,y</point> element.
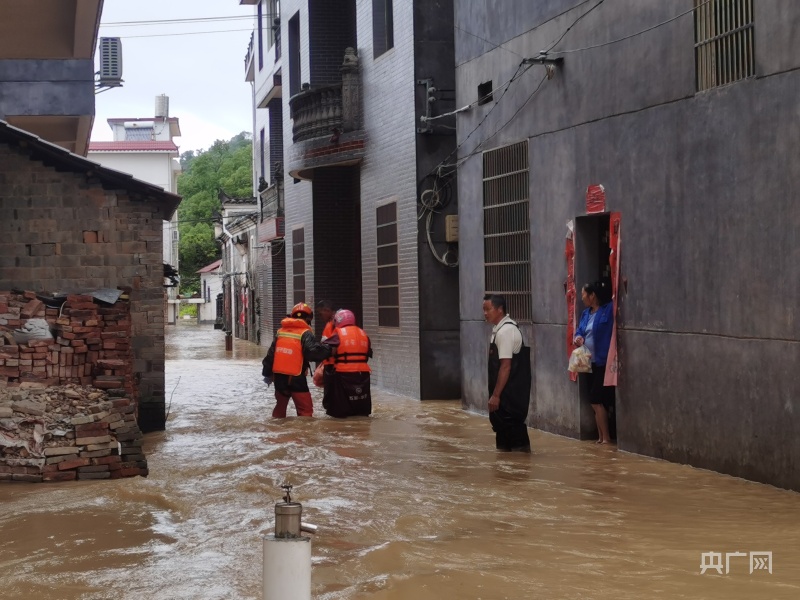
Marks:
<point>212,267</point>
<point>138,146</point>
<point>45,151</point>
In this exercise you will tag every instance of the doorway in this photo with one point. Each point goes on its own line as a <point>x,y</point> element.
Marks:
<point>593,240</point>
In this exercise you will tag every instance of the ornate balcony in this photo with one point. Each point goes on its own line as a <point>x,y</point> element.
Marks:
<point>272,202</point>
<point>316,112</point>
<point>271,225</point>
<point>327,123</point>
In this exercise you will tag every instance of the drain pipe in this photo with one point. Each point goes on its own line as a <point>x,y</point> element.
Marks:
<point>287,554</point>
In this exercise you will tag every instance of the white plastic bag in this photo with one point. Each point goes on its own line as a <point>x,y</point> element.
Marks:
<point>580,361</point>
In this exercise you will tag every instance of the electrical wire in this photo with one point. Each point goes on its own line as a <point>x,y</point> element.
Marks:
<point>127,37</point>
<point>488,41</point>
<point>575,22</point>
<point>632,35</point>
<point>173,21</point>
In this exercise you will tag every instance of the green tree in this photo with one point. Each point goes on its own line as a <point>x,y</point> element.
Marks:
<point>227,166</point>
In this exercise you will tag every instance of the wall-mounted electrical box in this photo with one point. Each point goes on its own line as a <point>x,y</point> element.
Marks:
<point>451,228</point>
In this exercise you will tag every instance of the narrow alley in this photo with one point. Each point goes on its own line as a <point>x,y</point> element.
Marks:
<point>413,502</point>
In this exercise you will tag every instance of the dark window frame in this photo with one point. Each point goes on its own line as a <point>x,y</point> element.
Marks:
<point>388,264</point>
<point>382,27</point>
<point>295,59</point>
<point>298,265</point>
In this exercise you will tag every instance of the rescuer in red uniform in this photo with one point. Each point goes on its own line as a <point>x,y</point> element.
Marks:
<point>286,363</point>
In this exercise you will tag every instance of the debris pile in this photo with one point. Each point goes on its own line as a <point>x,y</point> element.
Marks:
<point>68,432</point>
<point>88,341</point>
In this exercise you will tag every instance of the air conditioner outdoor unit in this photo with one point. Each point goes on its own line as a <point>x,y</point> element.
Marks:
<point>110,62</point>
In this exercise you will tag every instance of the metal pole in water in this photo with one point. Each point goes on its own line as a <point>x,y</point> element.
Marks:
<point>287,554</point>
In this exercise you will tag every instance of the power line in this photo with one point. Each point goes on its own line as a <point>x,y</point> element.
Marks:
<point>632,35</point>
<point>171,21</point>
<point>575,22</point>
<point>127,37</point>
<point>488,41</point>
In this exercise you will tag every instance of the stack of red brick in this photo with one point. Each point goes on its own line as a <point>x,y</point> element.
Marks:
<point>91,345</point>
<point>68,433</point>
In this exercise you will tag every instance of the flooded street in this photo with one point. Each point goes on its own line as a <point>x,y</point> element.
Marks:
<point>413,503</point>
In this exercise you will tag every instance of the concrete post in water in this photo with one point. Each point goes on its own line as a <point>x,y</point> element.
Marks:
<point>228,341</point>
<point>287,554</point>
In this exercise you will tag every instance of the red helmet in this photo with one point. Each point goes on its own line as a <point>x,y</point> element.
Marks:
<point>344,318</point>
<point>301,310</point>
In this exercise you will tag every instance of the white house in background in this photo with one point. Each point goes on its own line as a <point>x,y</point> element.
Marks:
<point>210,288</point>
<point>144,147</point>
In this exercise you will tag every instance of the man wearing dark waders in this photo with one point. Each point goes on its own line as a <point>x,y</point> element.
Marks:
<point>509,378</point>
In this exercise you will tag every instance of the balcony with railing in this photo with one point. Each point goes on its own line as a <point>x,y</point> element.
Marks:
<point>270,225</point>
<point>249,59</point>
<point>326,122</point>
<point>316,112</point>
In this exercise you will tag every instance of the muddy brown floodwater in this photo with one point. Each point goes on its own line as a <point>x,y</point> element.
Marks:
<point>413,503</point>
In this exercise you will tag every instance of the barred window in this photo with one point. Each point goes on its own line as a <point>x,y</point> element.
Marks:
<point>298,265</point>
<point>388,266</point>
<point>724,46</point>
<point>506,228</point>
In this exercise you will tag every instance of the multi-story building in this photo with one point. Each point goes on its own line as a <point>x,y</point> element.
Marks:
<point>236,231</point>
<point>67,223</point>
<point>348,206</point>
<point>145,148</point>
<point>47,69</point>
<point>665,125</point>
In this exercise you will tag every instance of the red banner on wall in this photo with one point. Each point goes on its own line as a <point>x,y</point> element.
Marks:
<point>595,199</point>
<point>569,291</point>
<point>612,369</point>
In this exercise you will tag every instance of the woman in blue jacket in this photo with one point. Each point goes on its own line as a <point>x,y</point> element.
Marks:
<point>594,331</point>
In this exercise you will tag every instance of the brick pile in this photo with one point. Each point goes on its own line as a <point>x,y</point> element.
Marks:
<point>69,432</point>
<point>91,344</point>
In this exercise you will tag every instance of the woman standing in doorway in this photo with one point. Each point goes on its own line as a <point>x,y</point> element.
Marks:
<point>594,331</point>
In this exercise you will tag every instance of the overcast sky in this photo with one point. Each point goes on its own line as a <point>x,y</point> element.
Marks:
<point>203,75</point>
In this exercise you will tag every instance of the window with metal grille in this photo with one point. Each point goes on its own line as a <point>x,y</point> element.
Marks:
<point>724,46</point>
<point>298,265</point>
<point>388,267</point>
<point>506,228</point>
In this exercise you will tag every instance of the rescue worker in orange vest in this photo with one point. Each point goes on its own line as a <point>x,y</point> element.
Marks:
<point>347,392</point>
<point>286,363</point>
<point>325,314</point>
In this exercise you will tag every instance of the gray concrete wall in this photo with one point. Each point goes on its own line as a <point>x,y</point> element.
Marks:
<point>709,333</point>
<point>388,174</point>
<point>46,87</point>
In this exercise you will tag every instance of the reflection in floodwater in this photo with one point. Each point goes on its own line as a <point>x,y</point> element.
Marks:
<point>411,503</point>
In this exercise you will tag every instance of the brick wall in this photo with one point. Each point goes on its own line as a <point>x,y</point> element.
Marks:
<point>91,343</point>
<point>389,172</point>
<point>272,270</point>
<point>331,29</point>
<point>60,231</point>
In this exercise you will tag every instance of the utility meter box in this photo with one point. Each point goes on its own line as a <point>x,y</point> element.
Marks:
<point>451,228</point>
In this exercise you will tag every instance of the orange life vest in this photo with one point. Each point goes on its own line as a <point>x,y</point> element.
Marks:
<point>289,348</point>
<point>351,355</point>
<point>329,330</point>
